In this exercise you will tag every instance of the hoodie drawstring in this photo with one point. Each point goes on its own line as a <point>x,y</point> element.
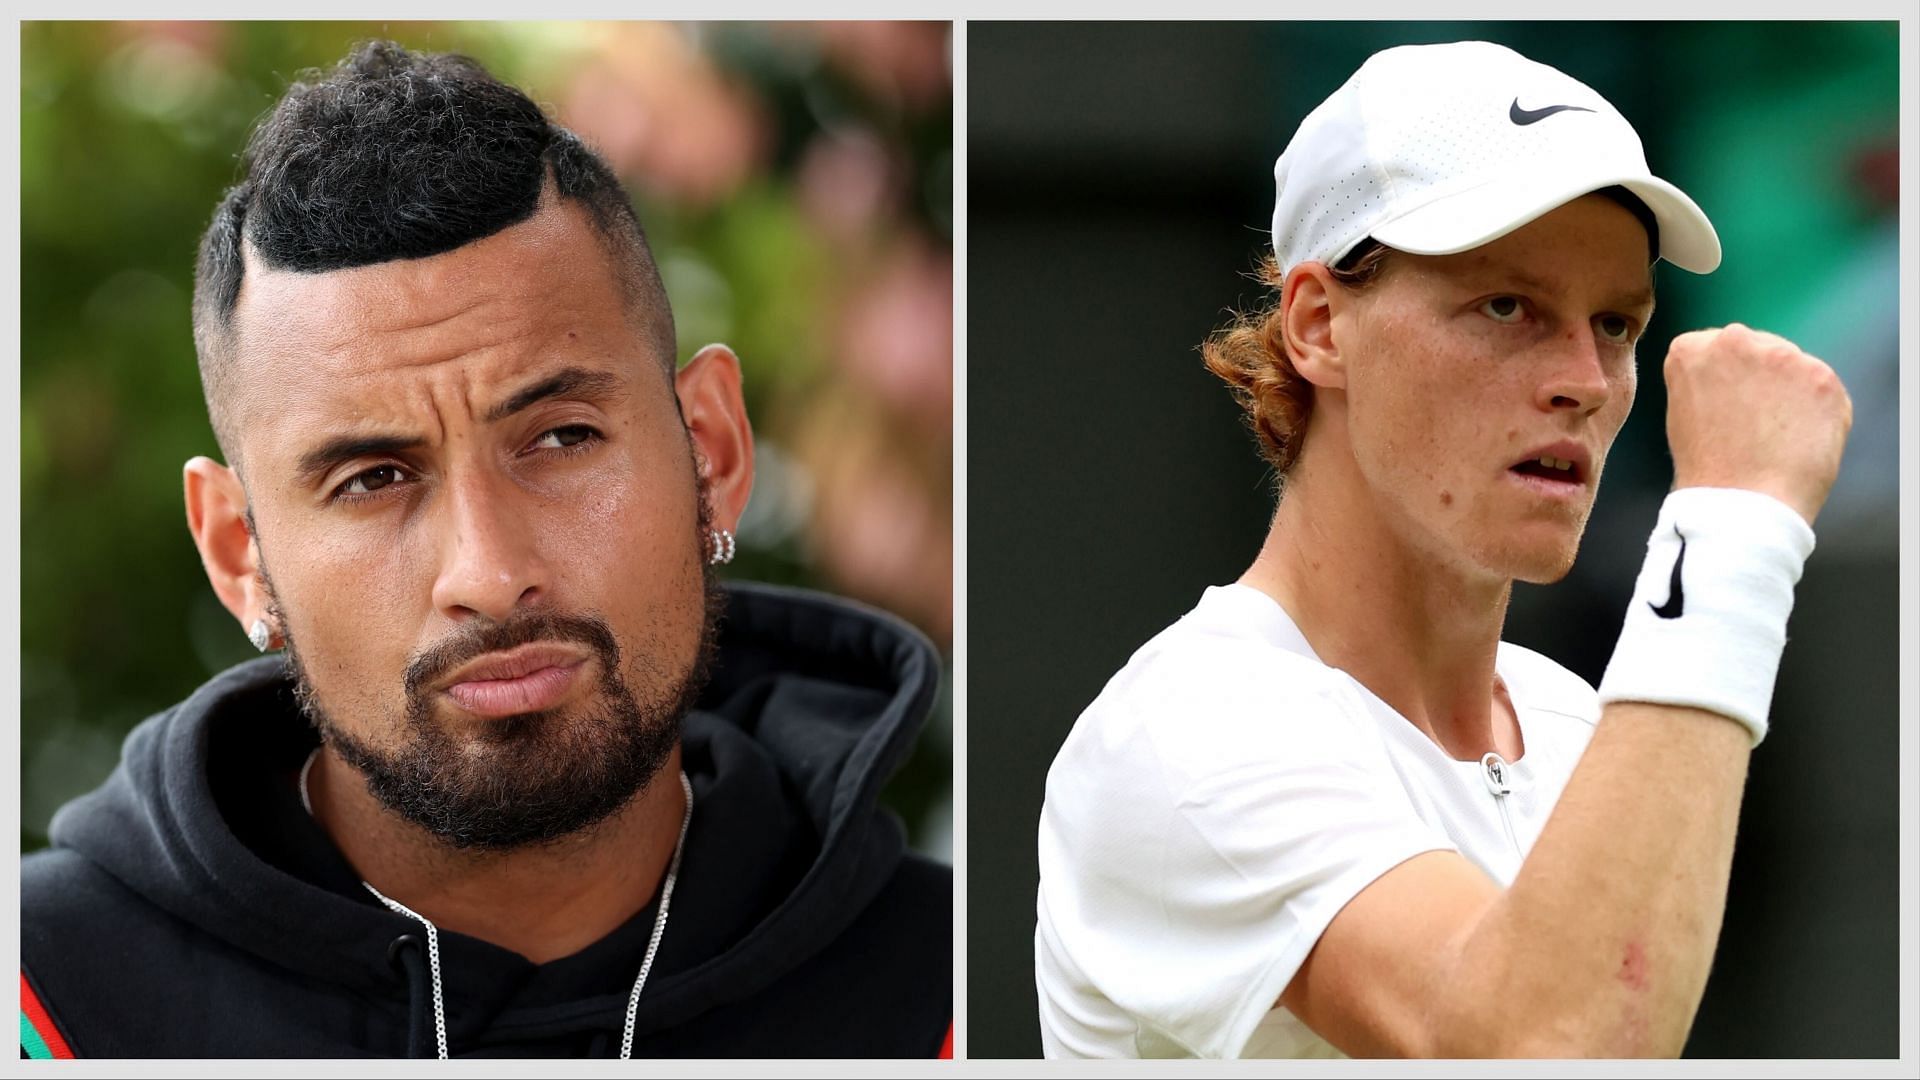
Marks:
<point>404,954</point>
<point>415,1018</point>
<point>403,947</point>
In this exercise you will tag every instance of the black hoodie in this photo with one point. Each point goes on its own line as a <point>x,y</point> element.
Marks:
<point>189,907</point>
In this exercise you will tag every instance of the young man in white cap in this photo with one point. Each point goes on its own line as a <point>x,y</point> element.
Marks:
<point>1329,811</point>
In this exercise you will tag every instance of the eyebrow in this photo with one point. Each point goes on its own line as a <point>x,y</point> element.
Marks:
<point>1641,297</point>
<point>570,382</point>
<point>325,458</point>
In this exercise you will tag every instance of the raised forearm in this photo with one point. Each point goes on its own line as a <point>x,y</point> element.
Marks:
<point>1602,942</point>
<point>1602,945</point>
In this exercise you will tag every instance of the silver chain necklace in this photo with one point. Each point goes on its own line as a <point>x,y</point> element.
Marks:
<point>433,933</point>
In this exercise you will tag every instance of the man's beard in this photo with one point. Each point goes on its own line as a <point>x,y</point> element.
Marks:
<point>538,777</point>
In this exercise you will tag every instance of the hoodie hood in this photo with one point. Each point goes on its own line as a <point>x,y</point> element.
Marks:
<point>813,703</point>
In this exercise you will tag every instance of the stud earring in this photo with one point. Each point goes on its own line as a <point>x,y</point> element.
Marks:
<point>260,635</point>
<point>720,546</point>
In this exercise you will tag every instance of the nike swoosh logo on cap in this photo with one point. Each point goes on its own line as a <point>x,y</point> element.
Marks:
<point>1523,117</point>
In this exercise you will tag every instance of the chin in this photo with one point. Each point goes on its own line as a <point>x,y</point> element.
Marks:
<point>1537,557</point>
<point>1543,574</point>
<point>1536,564</point>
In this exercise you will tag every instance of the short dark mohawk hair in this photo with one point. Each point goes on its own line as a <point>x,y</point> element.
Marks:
<point>400,155</point>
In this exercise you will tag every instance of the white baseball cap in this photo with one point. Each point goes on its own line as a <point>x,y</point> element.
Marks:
<point>1434,149</point>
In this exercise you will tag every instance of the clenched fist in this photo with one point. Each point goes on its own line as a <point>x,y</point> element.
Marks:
<point>1748,409</point>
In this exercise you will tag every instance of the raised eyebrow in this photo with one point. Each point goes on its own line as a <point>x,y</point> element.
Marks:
<point>325,458</point>
<point>570,382</point>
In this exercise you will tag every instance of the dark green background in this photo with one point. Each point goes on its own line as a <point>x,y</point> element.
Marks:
<point>1120,189</point>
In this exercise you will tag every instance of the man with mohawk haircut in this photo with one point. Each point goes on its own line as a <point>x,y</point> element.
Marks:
<point>526,780</point>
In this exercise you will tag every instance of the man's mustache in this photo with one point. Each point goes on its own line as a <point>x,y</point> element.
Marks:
<point>479,638</point>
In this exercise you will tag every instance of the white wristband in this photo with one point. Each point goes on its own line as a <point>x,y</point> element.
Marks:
<point>1709,612</point>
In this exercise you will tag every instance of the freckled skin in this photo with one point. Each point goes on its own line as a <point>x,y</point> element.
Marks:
<point>484,517</point>
<point>1441,395</point>
<point>1431,387</point>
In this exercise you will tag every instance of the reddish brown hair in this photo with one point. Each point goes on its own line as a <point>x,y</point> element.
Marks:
<point>1250,355</point>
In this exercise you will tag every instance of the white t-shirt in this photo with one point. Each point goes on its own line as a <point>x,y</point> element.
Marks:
<point>1224,797</point>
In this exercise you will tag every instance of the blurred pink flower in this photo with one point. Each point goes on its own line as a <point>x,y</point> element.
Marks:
<point>903,63</point>
<point>896,337</point>
<point>205,38</point>
<point>882,523</point>
<point>848,183</point>
<point>659,111</point>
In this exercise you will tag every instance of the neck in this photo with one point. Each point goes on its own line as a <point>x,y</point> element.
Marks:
<point>543,902</point>
<point>1419,633</point>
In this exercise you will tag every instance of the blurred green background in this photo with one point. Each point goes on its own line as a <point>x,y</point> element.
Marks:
<point>1120,189</point>
<point>795,181</point>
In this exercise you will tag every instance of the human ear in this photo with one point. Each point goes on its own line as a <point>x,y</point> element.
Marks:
<point>716,419</point>
<point>1310,299</point>
<point>217,518</point>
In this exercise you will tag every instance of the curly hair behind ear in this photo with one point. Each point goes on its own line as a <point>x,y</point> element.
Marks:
<point>1250,356</point>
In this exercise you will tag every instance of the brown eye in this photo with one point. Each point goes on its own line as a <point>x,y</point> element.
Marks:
<point>371,481</point>
<point>561,438</point>
<point>1504,309</point>
<point>1617,329</point>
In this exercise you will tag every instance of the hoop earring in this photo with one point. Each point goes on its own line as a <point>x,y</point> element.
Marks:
<point>720,546</point>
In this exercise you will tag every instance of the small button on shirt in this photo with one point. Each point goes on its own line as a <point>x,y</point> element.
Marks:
<point>1224,797</point>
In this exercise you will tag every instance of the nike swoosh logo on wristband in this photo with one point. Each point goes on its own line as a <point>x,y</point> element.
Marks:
<point>1676,596</point>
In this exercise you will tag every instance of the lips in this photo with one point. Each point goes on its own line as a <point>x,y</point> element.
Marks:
<point>531,678</point>
<point>1558,465</point>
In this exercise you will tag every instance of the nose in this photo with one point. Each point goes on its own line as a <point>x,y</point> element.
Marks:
<point>1577,379</point>
<point>491,562</point>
